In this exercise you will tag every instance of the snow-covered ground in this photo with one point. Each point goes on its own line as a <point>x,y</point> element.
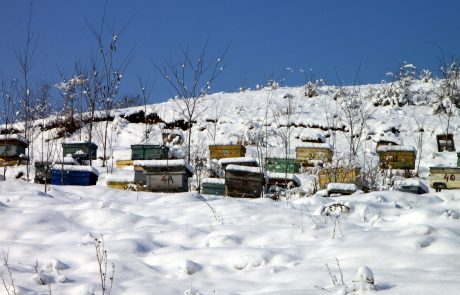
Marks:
<point>174,244</point>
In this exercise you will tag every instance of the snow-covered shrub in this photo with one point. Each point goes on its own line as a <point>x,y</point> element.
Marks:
<point>426,76</point>
<point>364,279</point>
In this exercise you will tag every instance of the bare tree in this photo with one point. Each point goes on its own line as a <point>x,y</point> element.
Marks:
<point>26,60</point>
<point>448,95</point>
<point>355,113</point>
<point>285,113</point>
<point>71,92</point>
<point>191,79</point>
<point>48,144</point>
<point>418,132</point>
<point>8,92</point>
<point>146,91</point>
<point>216,112</point>
<point>260,135</point>
<point>110,70</point>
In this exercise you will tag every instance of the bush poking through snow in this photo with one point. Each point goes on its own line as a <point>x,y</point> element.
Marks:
<point>364,281</point>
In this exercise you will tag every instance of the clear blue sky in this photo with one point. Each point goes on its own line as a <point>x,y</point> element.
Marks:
<point>267,37</point>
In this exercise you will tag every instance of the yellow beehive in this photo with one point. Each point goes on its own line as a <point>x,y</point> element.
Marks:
<point>123,163</point>
<point>444,178</point>
<point>118,185</point>
<point>338,174</point>
<point>314,152</point>
<point>8,162</point>
<point>226,151</point>
<point>397,157</point>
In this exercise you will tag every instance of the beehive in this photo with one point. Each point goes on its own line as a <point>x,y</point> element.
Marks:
<point>307,154</point>
<point>243,181</point>
<point>165,175</point>
<point>282,165</point>
<point>149,152</point>
<point>83,150</point>
<point>226,151</point>
<point>445,177</point>
<point>123,163</point>
<point>338,175</point>
<point>397,157</point>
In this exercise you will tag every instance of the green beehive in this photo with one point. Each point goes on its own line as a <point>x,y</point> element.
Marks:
<point>149,152</point>
<point>213,186</point>
<point>282,165</point>
<point>84,150</point>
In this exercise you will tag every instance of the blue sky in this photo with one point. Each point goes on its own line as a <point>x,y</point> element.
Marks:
<point>334,38</point>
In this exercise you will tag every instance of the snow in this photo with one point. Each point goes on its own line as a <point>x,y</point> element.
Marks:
<point>312,136</point>
<point>172,243</point>
<point>315,145</point>
<point>213,180</point>
<point>14,137</point>
<point>342,186</point>
<point>120,176</point>
<point>68,160</point>
<point>76,168</point>
<point>280,175</point>
<point>237,160</point>
<point>396,148</point>
<point>414,182</point>
<point>240,168</point>
<point>164,163</point>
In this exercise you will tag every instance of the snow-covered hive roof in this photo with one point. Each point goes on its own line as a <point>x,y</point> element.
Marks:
<point>239,168</point>
<point>16,137</point>
<point>164,163</point>
<point>396,148</point>
<point>76,168</point>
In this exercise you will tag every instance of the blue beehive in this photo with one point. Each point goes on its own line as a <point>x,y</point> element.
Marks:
<point>74,175</point>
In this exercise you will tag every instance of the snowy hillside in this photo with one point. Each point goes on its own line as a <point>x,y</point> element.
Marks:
<point>384,242</point>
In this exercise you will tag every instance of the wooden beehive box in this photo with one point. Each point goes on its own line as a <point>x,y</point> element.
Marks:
<point>445,142</point>
<point>413,186</point>
<point>139,175</point>
<point>243,181</point>
<point>149,152</point>
<point>397,157</point>
<point>213,186</point>
<point>166,175</point>
<point>308,154</point>
<point>444,178</point>
<point>282,179</point>
<point>282,165</point>
<point>120,180</point>
<point>121,164</point>
<point>74,175</point>
<point>241,161</point>
<point>42,172</point>
<point>341,188</point>
<point>82,151</point>
<point>12,148</point>
<point>338,175</point>
<point>226,151</point>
